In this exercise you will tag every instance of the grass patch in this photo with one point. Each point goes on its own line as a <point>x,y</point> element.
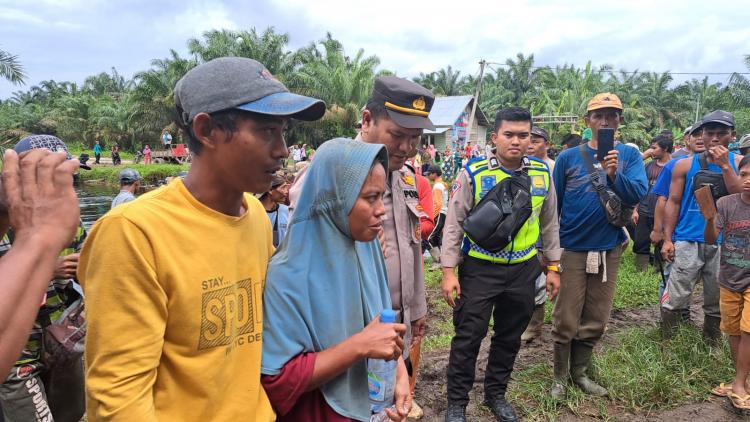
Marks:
<point>634,289</point>
<point>75,149</point>
<point>642,373</point>
<point>151,173</point>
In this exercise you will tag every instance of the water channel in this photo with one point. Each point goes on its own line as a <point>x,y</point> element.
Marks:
<point>95,201</point>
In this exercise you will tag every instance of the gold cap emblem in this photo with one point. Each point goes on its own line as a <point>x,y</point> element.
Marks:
<point>419,103</point>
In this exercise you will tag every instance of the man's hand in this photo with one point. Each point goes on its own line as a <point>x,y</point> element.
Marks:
<point>609,164</point>
<point>667,251</point>
<point>719,155</point>
<point>635,216</point>
<point>418,329</point>
<point>450,287</point>
<point>656,237</point>
<point>42,204</point>
<point>401,395</point>
<point>553,284</point>
<point>67,266</point>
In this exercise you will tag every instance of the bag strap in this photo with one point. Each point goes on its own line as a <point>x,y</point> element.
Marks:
<point>703,161</point>
<point>590,167</point>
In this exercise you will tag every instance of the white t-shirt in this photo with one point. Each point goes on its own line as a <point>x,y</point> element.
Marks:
<point>440,187</point>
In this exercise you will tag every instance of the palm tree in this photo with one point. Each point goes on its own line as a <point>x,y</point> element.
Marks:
<point>11,69</point>
<point>268,47</point>
<point>740,86</point>
<point>329,74</point>
<point>153,95</point>
<point>446,82</point>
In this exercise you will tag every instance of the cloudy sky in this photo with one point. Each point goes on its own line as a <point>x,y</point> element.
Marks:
<point>72,39</point>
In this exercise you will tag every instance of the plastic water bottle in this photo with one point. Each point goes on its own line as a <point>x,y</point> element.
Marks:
<point>381,374</point>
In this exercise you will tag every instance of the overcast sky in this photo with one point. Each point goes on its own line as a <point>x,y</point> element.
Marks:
<point>72,39</point>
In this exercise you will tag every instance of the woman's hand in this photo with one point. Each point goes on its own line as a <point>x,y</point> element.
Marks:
<point>402,394</point>
<point>381,340</point>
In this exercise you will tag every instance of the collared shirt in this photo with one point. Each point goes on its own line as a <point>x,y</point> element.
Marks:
<point>462,201</point>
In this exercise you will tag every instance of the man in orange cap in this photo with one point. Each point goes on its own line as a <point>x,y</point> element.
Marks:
<point>592,245</point>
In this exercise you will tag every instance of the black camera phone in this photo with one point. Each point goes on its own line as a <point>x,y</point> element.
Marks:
<point>606,142</point>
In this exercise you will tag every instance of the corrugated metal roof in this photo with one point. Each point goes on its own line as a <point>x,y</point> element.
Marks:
<point>437,130</point>
<point>446,110</point>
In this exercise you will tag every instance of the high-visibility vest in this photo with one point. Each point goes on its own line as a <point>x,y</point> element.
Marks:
<point>523,246</point>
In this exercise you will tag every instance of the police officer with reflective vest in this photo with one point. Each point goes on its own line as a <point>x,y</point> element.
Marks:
<point>499,208</point>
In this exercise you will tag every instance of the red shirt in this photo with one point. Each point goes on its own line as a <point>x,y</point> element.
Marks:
<point>426,224</point>
<point>286,392</point>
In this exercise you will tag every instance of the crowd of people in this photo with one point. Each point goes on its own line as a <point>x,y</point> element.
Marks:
<point>238,291</point>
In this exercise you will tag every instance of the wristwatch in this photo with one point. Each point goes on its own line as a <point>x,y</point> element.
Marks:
<point>556,268</point>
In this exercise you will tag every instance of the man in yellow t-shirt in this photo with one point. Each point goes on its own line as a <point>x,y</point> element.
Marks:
<point>174,279</point>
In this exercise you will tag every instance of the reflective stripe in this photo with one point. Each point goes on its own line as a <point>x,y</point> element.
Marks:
<point>502,255</point>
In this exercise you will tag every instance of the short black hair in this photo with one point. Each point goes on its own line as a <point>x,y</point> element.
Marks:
<point>226,120</point>
<point>664,142</point>
<point>434,169</point>
<point>744,162</point>
<point>572,140</point>
<point>512,114</point>
<point>376,109</point>
<point>666,132</point>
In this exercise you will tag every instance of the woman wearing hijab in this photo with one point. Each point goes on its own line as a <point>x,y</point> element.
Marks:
<point>325,288</point>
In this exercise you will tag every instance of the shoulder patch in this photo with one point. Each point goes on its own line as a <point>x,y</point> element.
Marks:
<point>408,179</point>
<point>456,186</point>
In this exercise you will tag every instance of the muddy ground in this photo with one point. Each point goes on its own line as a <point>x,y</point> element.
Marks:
<point>431,385</point>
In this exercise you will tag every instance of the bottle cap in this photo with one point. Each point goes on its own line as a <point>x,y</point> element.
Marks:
<point>388,316</point>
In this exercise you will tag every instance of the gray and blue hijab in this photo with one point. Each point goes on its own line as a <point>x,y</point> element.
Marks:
<point>322,286</point>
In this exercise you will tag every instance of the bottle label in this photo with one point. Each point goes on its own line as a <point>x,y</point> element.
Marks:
<point>375,387</point>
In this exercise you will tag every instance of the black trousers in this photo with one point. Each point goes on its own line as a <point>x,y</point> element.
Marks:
<point>505,292</point>
<point>436,237</point>
<point>642,239</point>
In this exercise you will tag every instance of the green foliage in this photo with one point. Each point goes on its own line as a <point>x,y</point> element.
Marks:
<point>10,68</point>
<point>110,108</point>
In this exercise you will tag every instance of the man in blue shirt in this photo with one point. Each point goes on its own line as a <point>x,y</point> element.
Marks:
<point>592,245</point>
<point>694,143</point>
<point>684,224</point>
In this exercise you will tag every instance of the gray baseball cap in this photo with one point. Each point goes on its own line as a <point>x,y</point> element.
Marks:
<point>129,175</point>
<point>240,83</point>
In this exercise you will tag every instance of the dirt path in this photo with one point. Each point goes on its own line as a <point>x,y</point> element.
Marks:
<point>431,385</point>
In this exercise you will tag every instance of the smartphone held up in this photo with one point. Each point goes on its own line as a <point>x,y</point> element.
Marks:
<point>605,142</point>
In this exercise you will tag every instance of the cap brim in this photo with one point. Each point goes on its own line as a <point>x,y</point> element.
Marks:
<point>410,122</point>
<point>286,104</point>
<point>721,122</point>
<point>599,107</point>
<point>85,167</point>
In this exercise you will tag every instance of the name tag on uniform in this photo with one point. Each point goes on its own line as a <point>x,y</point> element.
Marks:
<point>538,187</point>
<point>487,182</point>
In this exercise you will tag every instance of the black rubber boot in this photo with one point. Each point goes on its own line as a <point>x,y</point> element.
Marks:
<point>534,329</point>
<point>670,320</point>
<point>711,330</point>
<point>641,262</point>
<point>561,356</point>
<point>580,361</point>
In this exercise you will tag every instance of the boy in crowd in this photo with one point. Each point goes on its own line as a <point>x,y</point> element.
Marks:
<point>660,153</point>
<point>731,217</point>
